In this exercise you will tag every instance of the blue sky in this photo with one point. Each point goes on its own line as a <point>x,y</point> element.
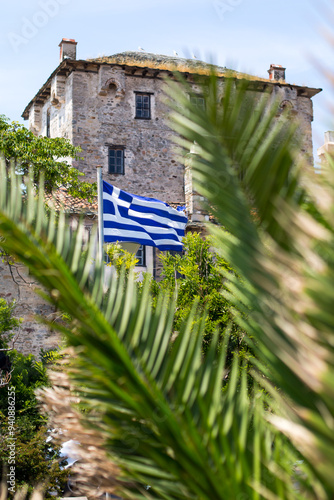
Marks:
<point>246,35</point>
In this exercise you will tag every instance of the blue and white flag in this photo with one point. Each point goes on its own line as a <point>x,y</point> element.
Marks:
<point>128,217</point>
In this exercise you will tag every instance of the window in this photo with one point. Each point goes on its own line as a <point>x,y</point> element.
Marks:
<point>140,256</point>
<point>48,121</point>
<point>143,106</point>
<point>116,160</point>
<point>198,101</point>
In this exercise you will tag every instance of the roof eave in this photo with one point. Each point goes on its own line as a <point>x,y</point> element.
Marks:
<point>25,114</point>
<point>66,64</point>
<point>69,64</point>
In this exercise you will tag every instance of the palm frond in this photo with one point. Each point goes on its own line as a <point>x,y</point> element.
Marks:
<point>284,256</point>
<point>157,404</point>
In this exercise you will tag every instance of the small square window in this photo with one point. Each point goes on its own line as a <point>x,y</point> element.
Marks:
<point>143,106</point>
<point>116,160</point>
<point>198,101</point>
<point>140,256</point>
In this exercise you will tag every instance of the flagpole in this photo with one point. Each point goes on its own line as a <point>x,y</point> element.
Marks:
<point>100,212</point>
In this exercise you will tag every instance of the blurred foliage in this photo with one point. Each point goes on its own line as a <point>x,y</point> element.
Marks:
<point>7,322</point>
<point>36,460</point>
<point>121,259</point>
<point>196,277</point>
<point>151,397</point>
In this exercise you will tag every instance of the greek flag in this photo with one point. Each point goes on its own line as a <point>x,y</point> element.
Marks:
<point>128,217</point>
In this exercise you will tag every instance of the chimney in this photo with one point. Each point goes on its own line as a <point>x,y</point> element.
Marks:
<point>277,73</point>
<point>68,49</point>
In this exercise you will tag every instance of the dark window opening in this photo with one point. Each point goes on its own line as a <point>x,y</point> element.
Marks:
<point>48,122</point>
<point>116,160</point>
<point>198,101</point>
<point>143,106</point>
<point>174,253</point>
<point>141,256</point>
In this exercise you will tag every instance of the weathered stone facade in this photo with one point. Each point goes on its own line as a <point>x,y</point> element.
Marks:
<point>18,285</point>
<point>298,101</point>
<point>93,104</point>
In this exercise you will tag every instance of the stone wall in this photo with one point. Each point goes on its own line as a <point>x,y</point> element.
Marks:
<point>94,107</point>
<point>103,118</point>
<point>32,336</point>
<point>59,106</point>
<point>301,109</point>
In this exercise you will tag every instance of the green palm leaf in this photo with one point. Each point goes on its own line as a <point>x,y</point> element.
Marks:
<point>157,404</point>
<point>284,255</point>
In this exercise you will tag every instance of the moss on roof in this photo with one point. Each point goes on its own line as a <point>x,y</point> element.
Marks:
<point>164,63</point>
<point>167,63</point>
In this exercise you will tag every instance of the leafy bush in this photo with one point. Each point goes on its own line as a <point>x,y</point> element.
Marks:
<point>197,276</point>
<point>36,461</point>
<point>7,322</point>
<point>123,260</point>
<point>43,155</point>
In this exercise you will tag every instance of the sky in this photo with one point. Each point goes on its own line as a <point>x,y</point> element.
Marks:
<point>245,35</point>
